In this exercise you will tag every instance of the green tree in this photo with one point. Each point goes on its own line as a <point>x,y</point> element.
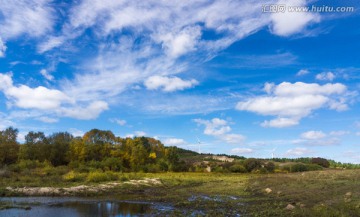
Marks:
<point>252,164</point>
<point>59,146</point>
<point>9,147</point>
<point>36,147</point>
<point>77,150</point>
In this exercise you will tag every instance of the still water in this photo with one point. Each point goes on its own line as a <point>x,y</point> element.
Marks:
<point>74,207</point>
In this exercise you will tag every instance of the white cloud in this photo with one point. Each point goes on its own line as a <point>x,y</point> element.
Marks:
<point>118,121</point>
<point>48,119</point>
<point>164,38</point>
<point>2,48</point>
<point>289,23</point>
<point>169,84</point>
<point>302,72</point>
<point>50,43</point>
<point>37,98</point>
<point>280,122</point>
<point>220,129</point>
<point>76,132</point>
<point>31,17</point>
<point>48,100</point>
<point>298,152</point>
<point>358,133</point>
<point>241,151</point>
<point>313,135</point>
<point>215,127</point>
<point>325,76</point>
<point>179,43</point>
<point>136,134</point>
<point>292,101</point>
<point>174,142</point>
<point>140,133</point>
<point>233,138</point>
<point>46,74</point>
<point>339,133</point>
<point>91,111</point>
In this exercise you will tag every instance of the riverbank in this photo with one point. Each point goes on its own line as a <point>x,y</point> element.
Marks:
<point>317,193</point>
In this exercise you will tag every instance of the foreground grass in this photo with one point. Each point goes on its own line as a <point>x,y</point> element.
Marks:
<point>318,193</point>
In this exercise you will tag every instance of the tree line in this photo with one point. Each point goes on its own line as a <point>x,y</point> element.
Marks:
<point>96,147</point>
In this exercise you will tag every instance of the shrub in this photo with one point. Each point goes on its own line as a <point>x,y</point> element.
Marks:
<point>320,161</point>
<point>270,167</point>
<point>99,176</point>
<point>298,167</point>
<point>113,164</point>
<point>153,168</point>
<point>73,177</point>
<point>312,167</point>
<point>252,164</point>
<point>238,168</point>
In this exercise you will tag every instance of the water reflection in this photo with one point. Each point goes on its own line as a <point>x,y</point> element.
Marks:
<point>75,208</point>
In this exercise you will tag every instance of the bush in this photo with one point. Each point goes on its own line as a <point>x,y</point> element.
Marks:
<point>237,168</point>
<point>270,167</point>
<point>298,167</point>
<point>73,177</point>
<point>113,164</point>
<point>312,167</point>
<point>320,161</point>
<point>99,176</point>
<point>252,164</point>
<point>152,168</point>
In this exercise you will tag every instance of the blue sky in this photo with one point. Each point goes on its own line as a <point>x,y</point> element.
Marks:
<point>240,80</point>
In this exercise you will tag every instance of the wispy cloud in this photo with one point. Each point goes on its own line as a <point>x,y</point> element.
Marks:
<point>298,152</point>
<point>168,84</point>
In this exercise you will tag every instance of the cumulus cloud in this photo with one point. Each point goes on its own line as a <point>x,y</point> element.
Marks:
<point>290,102</point>
<point>25,97</point>
<point>174,142</point>
<point>289,23</point>
<point>179,43</point>
<point>48,100</point>
<point>325,76</point>
<point>313,135</point>
<point>241,151</point>
<point>220,129</point>
<point>168,84</point>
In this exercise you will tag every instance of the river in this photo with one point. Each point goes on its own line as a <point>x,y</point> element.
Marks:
<point>74,207</point>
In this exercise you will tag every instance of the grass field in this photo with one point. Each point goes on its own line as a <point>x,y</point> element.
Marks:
<point>317,193</point>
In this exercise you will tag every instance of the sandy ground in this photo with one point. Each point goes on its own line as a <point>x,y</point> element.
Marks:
<point>52,191</point>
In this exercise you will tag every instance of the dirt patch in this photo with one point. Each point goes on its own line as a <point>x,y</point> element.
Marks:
<point>53,191</point>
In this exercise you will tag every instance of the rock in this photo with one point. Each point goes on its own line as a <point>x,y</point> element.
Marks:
<point>348,194</point>
<point>290,207</point>
<point>268,190</point>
